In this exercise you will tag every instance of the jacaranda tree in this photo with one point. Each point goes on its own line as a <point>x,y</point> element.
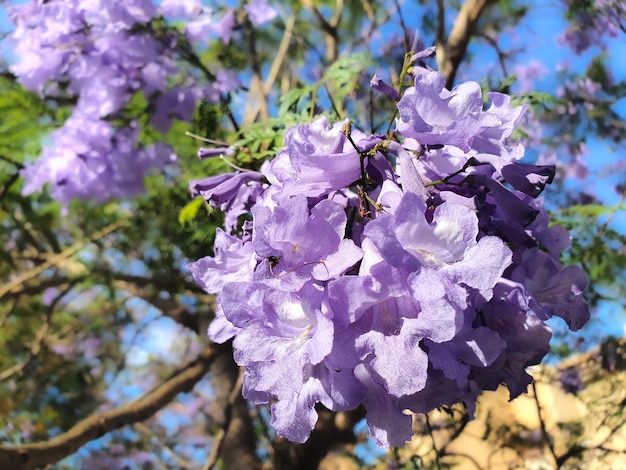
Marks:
<point>368,234</point>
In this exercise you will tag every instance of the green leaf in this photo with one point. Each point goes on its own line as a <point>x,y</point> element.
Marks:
<point>592,210</point>
<point>190,211</point>
<point>294,99</point>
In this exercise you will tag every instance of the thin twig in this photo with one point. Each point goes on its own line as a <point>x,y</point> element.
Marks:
<point>502,56</point>
<point>405,31</point>
<point>188,54</point>
<point>7,312</point>
<point>542,424</point>
<point>181,463</point>
<point>466,456</point>
<point>18,165</point>
<point>328,27</point>
<point>369,10</point>
<point>432,439</point>
<point>35,349</point>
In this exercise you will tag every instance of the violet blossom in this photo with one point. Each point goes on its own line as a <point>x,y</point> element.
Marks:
<point>104,54</point>
<point>401,272</point>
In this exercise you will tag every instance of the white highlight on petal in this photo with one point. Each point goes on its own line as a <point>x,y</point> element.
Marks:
<point>449,231</point>
<point>293,312</point>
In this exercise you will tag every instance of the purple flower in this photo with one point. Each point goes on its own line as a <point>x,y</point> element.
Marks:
<point>90,159</point>
<point>411,179</point>
<point>433,115</point>
<point>553,238</point>
<point>509,204</point>
<point>205,26</point>
<point>392,311</point>
<point>95,49</point>
<point>402,276</point>
<point>180,8</point>
<point>317,159</point>
<point>49,295</point>
<point>283,337</point>
<point>448,245</point>
<point>427,53</point>
<point>478,347</point>
<point>234,261</point>
<point>387,423</point>
<point>527,341</point>
<point>223,190</point>
<point>260,12</point>
<point>527,73</point>
<point>494,139</point>
<point>571,381</point>
<point>385,324</point>
<point>553,290</point>
<point>379,85</point>
<point>291,256</point>
<point>591,26</point>
<point>530,179</point>
<point>233,193</point>
<point>204,152</point>
<point>176,103</point>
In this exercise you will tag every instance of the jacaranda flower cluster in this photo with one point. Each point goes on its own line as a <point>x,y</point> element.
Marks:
<point>100,55</point>
<point>402,272</point>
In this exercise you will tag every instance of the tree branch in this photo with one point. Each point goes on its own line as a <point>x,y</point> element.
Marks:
<point>35,349</point>
<point>254,108</point>
<point>41,338</point>
<point>544,432</point>
<point>374,25</point>
<point>36,289</point>
<point>9,309</point>
<point>53,260</point>
<point>440,40</point>
<point>369,9</point>
<point>450,54</point>
<point>280,55</point>
<point>257,99</point>
<point>169,307</point>
<point>157,282</point>
<point>237,445</point>
<point>228,412</point>
<point>405,30</point>
<point>180,462</point>
<point>40,454</point>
